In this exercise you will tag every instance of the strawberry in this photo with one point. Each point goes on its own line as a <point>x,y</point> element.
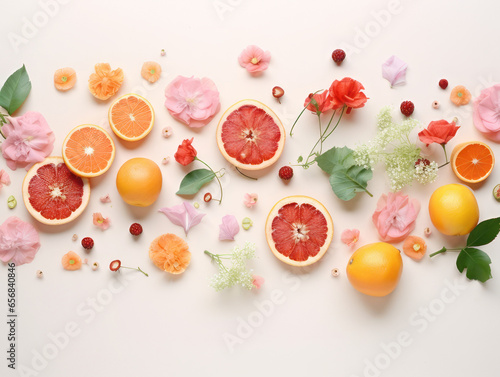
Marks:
<point>338,56</point>
<point>278,93</point>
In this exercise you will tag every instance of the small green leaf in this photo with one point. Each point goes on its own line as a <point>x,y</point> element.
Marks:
<point>347,182</point>
<point>300,159</point>
<point>477,263</point>
<point>484,232</point>
<point>15,90</point>
<point>335,157</point>
<point>194,180</point>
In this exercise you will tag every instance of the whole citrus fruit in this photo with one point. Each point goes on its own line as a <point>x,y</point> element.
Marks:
<point>453,209</point>
<point>139,182</point>
<point>375,269</point>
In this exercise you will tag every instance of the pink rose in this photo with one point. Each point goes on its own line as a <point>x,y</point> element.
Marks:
<point>28,140</point>
<point>254,59</point>
<point>192,101</point>
<point>395,216</point>
<point>486,112</point>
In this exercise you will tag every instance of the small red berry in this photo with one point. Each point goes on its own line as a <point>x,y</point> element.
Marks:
<point>87,243</point>
<point>207,197</point>
<point>407,108</point>
<point>338,56</point>
<point>135,229</point>
<point>286,173</point>
<point>278,92</point>
<point>424,161</point>
<point>115,265</point>
<point>443,83</point>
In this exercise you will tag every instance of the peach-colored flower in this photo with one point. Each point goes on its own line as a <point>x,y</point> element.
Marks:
<point>257,281</point>
<point>71,261</point>
<point>254,59</point>
<point>105,83</point>
<point>250,200</point>
<point>460,95</point>
<point>64,78</point>
<point>414,247</point>
<point>100,221</point>
<point>151,71</point>
<point>4,178</point>
<point>350,236</point>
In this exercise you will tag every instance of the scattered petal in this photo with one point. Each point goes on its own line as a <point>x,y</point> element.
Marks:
<point>184,215</point>
<point>394,70</point>
<point>254,59</point>
<point>250,200</point>
<point>19,241</point>
<point>105,199</point>
<point>151,71</point>
<point>229,228</point>
<point>257,281</point>
<point>4,178</point>
<point>414,247</point>
<point>350,236</point>
<point>71,261</point>
<point>100,221</point>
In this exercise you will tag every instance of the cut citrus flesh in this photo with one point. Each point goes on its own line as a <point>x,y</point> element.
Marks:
<point>131,117</point>
<point>473,161</point>
<point>299,230</point>
<point>53,194</point>
<point>250,135</point>
<point>88,151</point>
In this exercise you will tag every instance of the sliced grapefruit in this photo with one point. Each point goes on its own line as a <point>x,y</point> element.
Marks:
<point>473,161</point>
<point>299,230</point>
<point>53,194</point>
<point>250,135</point>
<point>131,117</point>
<point>88,151</point>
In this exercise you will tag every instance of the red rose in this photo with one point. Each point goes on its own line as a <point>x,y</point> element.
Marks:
<point>185,152</point>
<point>318,102</point>
<point>346,92</point>
<point>439,131</point>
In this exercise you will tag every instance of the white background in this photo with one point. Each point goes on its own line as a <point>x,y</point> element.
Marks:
<point>320,325</point>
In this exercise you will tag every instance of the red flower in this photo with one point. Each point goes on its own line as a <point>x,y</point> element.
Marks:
<point>439,131</point>
<point>318,102</point>
<point>346,92</point>
<point>185,153</point>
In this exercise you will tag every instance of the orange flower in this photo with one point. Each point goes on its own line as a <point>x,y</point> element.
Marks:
<point>64,78</point>
<point>460,95</point>
<point>414,247</point>
<point>170,253</point>
<point>104,83</point>
<point>71,261</point>
<point>151,71</point>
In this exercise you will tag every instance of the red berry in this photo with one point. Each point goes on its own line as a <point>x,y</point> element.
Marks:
<point>443,83</point>
<point>286,173</point>
<point>278,93</point>
<point>115,265</point>
<point>407,108</point>
<point>338,56</point>
<point>135,229</point>
<point>207,197</point>
<point>424,161</point>
<point>87,243</point>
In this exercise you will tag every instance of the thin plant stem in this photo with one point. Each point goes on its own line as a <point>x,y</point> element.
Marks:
<point>302,112</point>
<point>445,156</point>
<point>138,269</point>
<point>336,125</point>
<point>216,177</point>
<point>244,175</point>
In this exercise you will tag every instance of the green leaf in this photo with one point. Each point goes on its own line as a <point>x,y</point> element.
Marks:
<point>477,263</point>
<point>484,232</point>
<point>347,182</point>
<point>300,159</point>
<point>194,180</point>
<point>15,90</point>
<point>334,157</point>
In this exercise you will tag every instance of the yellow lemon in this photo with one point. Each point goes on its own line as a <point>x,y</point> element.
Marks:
<point>139,182</point>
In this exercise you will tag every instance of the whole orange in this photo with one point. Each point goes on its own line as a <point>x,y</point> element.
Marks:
<point>139,182</point>
<point>375,269</point>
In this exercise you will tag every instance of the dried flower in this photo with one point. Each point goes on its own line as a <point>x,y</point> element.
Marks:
<point>19,241</point>
<point>414,247</point>
<point>250,200</point>
<point>151,71</point>
<point>71,261</point>
<point>105,83</point>
<point>460,95</point>
<point>254,59</point>
<point>64,79</point>
<point>350,237</point>
<point>100,221</point>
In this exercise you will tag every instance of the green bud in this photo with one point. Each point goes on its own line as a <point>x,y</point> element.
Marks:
<point>246,223</point>
<point>12,202</point>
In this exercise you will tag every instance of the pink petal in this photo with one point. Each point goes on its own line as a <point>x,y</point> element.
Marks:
<point>105,199</point>
<point>19,241</point>
<point>184,215</point>
<point>4,178</point>
<point>100,221</point>
<point>229,228</point>
<point>394,70</point>
<point>350,237</point>
<point>258,281</point>
<point>250,200</point>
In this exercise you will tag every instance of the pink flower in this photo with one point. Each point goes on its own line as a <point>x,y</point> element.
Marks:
<point>250,200</point>
<point>184,215</point>
<point>29,140</point>
<point>257,281</point>
<point>395,216</point>
<point>4,178</point>
<point>318,103</point>
<point>19,241</point>
<point>192,101</point>
<point>439,131</point>
<point>254,59</point>
<point>350,237</point>
<point>486,113</point>
<point>100,221</point>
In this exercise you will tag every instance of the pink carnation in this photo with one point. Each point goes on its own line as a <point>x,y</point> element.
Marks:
<point>29,140</point>
<point>192,101</point>
<point>19,241</point>
<point>254,59</point>
<point>486,113</point>
<point>395,216</point>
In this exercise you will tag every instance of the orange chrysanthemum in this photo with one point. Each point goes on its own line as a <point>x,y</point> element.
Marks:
<point>104,83</point>
<point>460,95</point>
<point>64,78</point>
<point>71,261</point>
<point>170,253</point>
<point>414,247</point>
<point>151,71</point>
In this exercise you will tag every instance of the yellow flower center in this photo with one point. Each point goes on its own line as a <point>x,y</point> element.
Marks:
<point>416,247</point>
<point>254,61</point>
<point>64,79</point>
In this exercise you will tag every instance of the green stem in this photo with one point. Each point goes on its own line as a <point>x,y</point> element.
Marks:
<point>320,135</point>
<point>444,250</point>
<point>445,156</point>
<point>244,175</point>
<point>302,112</point>
<point>138,269</point>
<point>216,177</point>
<point>216,258</point>
<point>369,193</point>
<point>338,122</point>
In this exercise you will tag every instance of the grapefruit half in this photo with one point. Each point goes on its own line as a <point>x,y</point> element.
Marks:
<point>250,135</point>
<point>299,230</point>
<point>53,194</point>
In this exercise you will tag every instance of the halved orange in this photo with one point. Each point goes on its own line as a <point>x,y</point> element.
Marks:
<point>88,151</point>
<point>473,161</point>
<point>131,117</point>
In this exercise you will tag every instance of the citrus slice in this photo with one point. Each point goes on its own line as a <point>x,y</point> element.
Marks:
<point>88,151</point>
<point>131,117</point>
<point>53,194</point>
<point>299,230</point>
<point>250,135</point>
<point>472,162</point>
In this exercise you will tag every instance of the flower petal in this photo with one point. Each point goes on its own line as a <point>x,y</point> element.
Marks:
<point>184,215</point>
<point>229,228</point>
<point>394,70</point>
